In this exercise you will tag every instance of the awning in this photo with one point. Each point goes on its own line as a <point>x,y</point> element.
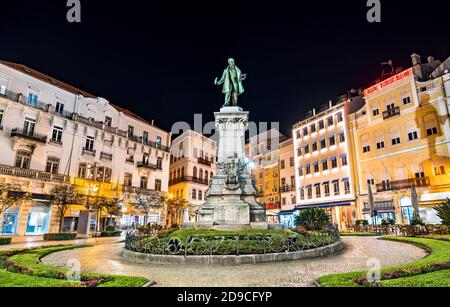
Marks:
<point>286,212</point>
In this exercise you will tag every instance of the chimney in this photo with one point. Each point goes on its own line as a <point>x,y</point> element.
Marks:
<point>430,59</point>
<point>416,59</point>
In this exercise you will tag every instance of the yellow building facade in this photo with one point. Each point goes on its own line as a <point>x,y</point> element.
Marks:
<point>402,139</point>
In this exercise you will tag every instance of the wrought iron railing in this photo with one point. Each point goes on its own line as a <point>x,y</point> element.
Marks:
<point>391,113</point>
<point>190,179</point>
<point>30,173</point>
<point>230,245</point>
<point>137,190</point>
<point>403,184</point>
<point>32,136</point>
<point>89,152</point>
<point>204,161</point>
<point>287,188</point>
<point>149,166</point>
<point>106,156</point>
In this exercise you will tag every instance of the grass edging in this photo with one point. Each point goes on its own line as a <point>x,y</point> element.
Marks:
<point>28,263</point>
<point>438,255</point>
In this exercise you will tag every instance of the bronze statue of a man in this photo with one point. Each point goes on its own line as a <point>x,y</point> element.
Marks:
<point>232,83</point>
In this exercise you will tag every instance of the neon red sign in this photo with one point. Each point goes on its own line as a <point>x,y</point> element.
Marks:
<point>387,82</point>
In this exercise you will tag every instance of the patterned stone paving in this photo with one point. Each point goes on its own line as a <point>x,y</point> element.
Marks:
<point>105,258</point>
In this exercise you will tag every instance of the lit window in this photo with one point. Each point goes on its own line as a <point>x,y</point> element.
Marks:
<point>439,171</point>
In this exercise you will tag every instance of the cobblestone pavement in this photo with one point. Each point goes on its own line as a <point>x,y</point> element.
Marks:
<point>105,258</point>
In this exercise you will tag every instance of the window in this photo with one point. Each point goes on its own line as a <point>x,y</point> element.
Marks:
<point>108,175</point>
<point>413,136</point>
<point>3,84</point>
<point>334,163</point>
<point>144,182</point>
<point>298,135</point>
<point>108,121</point>
<point>82,168</point>
<point>318,191</point>
<point>380,145</point>
<point>420,175</point>
<point>309,190</point>
<point>326,189</point>
<point>336,188</point>
<point>323,144</point>
<point>439,171</point>
<point>340,117</point>
<point>28,126</point>
<point>57,135</point>
<point>206,176</point>
<point>1,118</point>
<point>305,132</point>
<point>100,174</point>
<point>313,128</point>
<point>158,185</point>
<point>159,163</point>
<point>130,131</point>
<point>342,138</point>
<point>283,164</point>
<point>332,140</point>
<point>330,121</point>
<point>194,194</point>
<point>52,165</point>
<point>370,181</point>
<point>194,172</point>
<point>302,194</point>
<point>158,142</point>
<point>128,180</point>
<point>406,100</point>
<point>200,174</point>
<point>291,162</point>
<point>306,149</point>
<point>300,171</point>
<point>347,187</point>
<point>376,112</point>
<point>89,143</point>
<point>23,159</point>
<point>396,141</point>
<point>90,172</point>
<point>366,149</point>
<point>344,160</point>
<point>32,99</point>
<point>321,125</point>
<point>314,147</point>
<point>324,165</point>
<point>200,195</point>
<point>432,131</point>
<point>308,169</point>
<point>59,107</point>
<point>316,167</point>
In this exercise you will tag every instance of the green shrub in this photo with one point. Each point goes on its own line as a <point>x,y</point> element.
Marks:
<point>443,211</point>
<point>362,223</point>
<point>312,219</point>
<point>417,221</point>
<point>5,241</point>
<point>111,233</point>
<point>59,236</point>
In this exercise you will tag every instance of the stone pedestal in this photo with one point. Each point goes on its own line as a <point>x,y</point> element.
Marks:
<point>232,194</point>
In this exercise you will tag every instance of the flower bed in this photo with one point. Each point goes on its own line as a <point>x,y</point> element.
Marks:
<point>5,241</point>
<point>60,236</point>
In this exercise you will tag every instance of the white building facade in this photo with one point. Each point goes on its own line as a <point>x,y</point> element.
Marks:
<point>52,133</point>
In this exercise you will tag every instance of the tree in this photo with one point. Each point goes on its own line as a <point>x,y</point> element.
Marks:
<point>176,204</point>
<point>11,195</point>
<point>147,202</point>
<point>63,196</point>
<point>113,206</point>
<point>313,219</point>
<point>443,211</point>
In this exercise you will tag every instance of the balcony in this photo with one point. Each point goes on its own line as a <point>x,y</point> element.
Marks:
<point>380,206</point>
<point>105,156</point>
<point>129,160</point>
<point>189,179</point>
<point>136,190</point>
<point>287,188</point>
<point>403,184</point>
<point>149,166</point>
<point>31,136</point>
<point>204,162</point>
<point>273,206</point>
<point>32,174</point>
<point>391,113</point>
<point>89,152</point>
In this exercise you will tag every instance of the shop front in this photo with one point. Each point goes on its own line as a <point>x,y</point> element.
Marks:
<point>38,219</point>
<point>10,221</point>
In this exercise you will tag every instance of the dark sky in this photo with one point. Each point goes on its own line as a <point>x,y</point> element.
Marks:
<point>159,58</point>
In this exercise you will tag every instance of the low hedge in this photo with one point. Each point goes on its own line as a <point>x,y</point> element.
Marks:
<point>60,236</point>
<point>116,233</point>
<point>5,241</point>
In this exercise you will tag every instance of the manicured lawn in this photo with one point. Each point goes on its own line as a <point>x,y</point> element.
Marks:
<point>439,252</point>
<point>438,237</point>
<point>30,259</point>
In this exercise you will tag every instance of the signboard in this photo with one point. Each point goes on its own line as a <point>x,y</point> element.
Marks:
<point>404,74</point>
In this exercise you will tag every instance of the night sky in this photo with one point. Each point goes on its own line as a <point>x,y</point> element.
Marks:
<point>159,59</point>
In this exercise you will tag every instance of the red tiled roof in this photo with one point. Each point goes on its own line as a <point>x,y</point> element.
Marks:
<point>62,85</point>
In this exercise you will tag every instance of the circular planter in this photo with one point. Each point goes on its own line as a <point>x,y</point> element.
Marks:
<point>233,260</point>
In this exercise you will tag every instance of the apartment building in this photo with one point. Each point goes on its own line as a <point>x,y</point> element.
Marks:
<point>192,165</point>
<point>264,153</point>
<point>325,176</point>
<point>53,133</point>
<point>402,139</point>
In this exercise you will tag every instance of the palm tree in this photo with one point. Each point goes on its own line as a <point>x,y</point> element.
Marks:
<point>63,196</point>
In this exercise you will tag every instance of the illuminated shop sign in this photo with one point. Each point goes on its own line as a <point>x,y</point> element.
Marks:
<point>404,74</point>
